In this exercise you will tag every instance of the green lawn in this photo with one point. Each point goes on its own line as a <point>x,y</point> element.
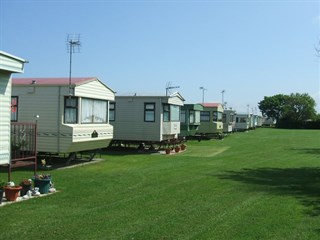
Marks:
<point>264,184</point>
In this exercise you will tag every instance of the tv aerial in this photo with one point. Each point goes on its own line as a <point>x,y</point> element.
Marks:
<point>169,87</point>
<point>73,46</point>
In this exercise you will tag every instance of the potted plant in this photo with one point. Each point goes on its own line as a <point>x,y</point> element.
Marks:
<point>26,185</point>
<point>42,181</point>
<point>12,191</point>
<point>177,149</point>
<point>183,146</point>
<point>168,150</point>
<point>2,184</point>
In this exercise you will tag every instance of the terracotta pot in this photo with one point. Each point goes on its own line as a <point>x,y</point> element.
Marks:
<point>12,193</point>
<point>183,147</point>
<point>168,150</point>
<point>177,149</point>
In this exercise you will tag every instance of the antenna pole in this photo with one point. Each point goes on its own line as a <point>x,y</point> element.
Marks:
<point>222,92</point>
<point>170,87</point>
<point>73,43</point>
<point>70,64</point>
<point>203,89</point>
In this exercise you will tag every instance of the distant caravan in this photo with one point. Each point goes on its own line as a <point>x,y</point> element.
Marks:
<point>190,120</point>
<point>229,120</point>
<point>211,125</point>
<point>146,120</point>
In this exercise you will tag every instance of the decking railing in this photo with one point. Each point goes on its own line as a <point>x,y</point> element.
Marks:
<point>23,145</point>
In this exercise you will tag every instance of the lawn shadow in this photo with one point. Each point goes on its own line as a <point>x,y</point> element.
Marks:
<point>307,150</point>
<point>302,183</point>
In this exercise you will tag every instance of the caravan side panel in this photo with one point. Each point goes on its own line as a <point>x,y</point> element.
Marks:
<point>5,102</point>
<point>42,101</point>
<point>129,121</point>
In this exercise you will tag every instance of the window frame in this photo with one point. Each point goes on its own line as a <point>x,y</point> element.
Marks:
<point>148,110</point>
<point>94,111</point>
<point>207,116</point>
<point>166,113</point>
<point>112,110</point>
<point>16,107</point>
<point>65,107</point>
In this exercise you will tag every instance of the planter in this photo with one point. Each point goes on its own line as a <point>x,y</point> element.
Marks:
<point>183,147</point>
<point>177,149</point>
<point>25,189</point>
<point>1,195</point>
<point>12,193</point>
<point>168,150</point>
<point>42,184</point>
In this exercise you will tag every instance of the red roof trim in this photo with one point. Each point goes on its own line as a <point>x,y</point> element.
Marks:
<point>211,104</point>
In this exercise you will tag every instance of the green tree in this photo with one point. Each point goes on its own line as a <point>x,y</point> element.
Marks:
<point>299,107</point>
<point>273,106</point>
<point>290,109</point>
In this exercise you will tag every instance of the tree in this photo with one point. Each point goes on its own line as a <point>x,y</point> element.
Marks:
<point>273,106</point>
<point>299,107</point>
<point>290,109</point>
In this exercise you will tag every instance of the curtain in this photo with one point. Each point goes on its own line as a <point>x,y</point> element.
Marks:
<point>93,111</point>
<point>86,110</point>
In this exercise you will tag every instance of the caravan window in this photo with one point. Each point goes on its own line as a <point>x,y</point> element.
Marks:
<point>93,111</point>
<point>224,118</point>
<point>149,112</point>
<point>241,119</point>
<point>175,113</point>
<point>183,116</point>
<point>205,116</point>
<point>197,117</point>
<point>112,111</point>
<point>14,109</point>
<point>191,117</point>
<point>166,113</point>
<point>171,113</point>
<point>71,110</point>
<point>217,116</point>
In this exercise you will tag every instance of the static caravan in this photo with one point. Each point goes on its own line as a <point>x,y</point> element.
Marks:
<point>8,64</point>
<point>260,121</point>
<point>190,119</point>
<point>229,120</point>
<point>73,116</point>
<point>243,121</point>
<point>266,121</point>
<point>257,120</point>
<point>211,120</point>
<point>146,119</point>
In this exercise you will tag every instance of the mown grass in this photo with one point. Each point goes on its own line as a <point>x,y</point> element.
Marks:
<point>264,184</point>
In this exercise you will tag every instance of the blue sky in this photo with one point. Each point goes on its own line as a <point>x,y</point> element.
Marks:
<point>250,49</point>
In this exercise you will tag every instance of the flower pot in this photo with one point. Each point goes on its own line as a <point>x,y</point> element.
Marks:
<point>12,193</point>
<point>43,185</point>
<point>177,149</point>
<point>168,150</point>
<point>25,189</point>
<point>183,147</point>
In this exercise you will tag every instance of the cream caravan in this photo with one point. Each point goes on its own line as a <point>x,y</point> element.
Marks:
<point>73,113</point>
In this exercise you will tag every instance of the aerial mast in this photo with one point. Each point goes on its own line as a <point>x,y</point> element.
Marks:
<point>169,87</point>
<point>73,46</point>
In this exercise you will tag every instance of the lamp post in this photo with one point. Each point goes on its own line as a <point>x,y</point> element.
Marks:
<point>203,89</point>
<point>222,93</point>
